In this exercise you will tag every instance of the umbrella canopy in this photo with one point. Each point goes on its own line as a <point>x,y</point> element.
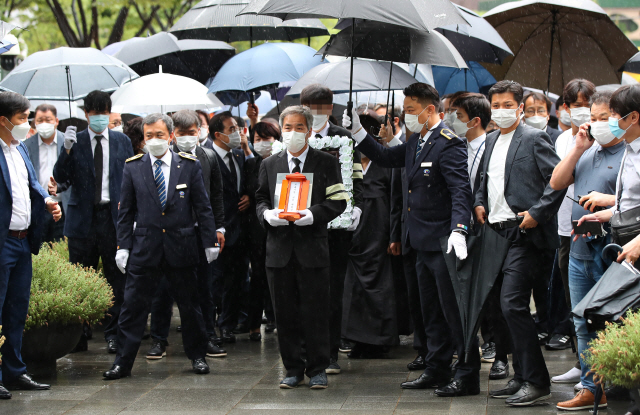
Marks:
<point>162,92</point>
<point>262,67</point>
<point>633,64</point>
<point>474,277</point>
<point>217,20</point>
<point>196,59</point>
<point>67,74</point>
<point>371,76</point>
<point>5,46</point>
<point>555,41</point>
<point>450,80</point>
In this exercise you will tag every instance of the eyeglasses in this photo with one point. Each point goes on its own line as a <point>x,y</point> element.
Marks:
<point>541,111</point>
<point>116,123</point>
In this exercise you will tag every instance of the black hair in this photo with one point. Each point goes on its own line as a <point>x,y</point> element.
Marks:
<point>45,108</point>
<point>601,97</point>
<point>475,105</point>
<point>133,130</point>
<point>204,114</point>
<point>576,86</point>
<point>537,96</point>
<point>626,100</point>
<point>97,101</point>
<point>424,93</point>
<point>265,129</point>
<point>12,103</point>
<point>507,86</point>
<point>315,94</point>
<point>453,97</point>
<point>240,121</point>
<point>216,124</point>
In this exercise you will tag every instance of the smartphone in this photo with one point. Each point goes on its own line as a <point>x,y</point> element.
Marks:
<point>592,227</point>
<point>589,133</point>
<point>596,209</point>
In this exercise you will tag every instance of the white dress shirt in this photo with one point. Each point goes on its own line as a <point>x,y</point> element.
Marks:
<point>223,155</point>
<point>48,154</point>
<point>475,150</point>
<point>105,160</point>
<point>165,167</point>
<point>302,157</point>
<point>629,177</point>
<point>19,178</point>
<point>564,143</point>
<point>499,210</point>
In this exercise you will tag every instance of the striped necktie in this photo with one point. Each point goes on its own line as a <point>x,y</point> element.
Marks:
<point>159,179</point>
<point>419,149</point>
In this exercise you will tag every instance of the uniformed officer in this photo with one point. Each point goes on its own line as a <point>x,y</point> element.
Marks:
<point>439,203</point>
<point>156,235</point>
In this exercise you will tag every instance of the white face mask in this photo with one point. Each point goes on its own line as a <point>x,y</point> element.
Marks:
<point>450,118</point>
<point>460,127</point>
<point>187,143</point>
<point>294,141</point>
<point>20,131</point>
<point>580,115</point>
<point>263,148</point>
<point>602,133</point>
<point>234,139</point>
<point>412,123</point>
<point>537,122</point>
<point>118,129</point>
<point>203,134</point>
<point>565,118</point>
<point>505,118</point>
<point>157,146</point>
<point>45,129</point>
<point>319,121</point>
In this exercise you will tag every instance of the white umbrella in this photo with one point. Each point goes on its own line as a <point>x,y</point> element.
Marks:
<point>163,92</point>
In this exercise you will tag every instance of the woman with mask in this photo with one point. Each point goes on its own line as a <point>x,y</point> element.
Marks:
<point>133,130</point>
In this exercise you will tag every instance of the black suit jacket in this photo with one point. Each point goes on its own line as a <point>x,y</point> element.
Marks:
<point>328,201</point>
<point>208,143</point>
<point>530,161</point>
<point>168,233</point>
<point>252,174</point>
<point>553,134</point>
<point>235,221</point>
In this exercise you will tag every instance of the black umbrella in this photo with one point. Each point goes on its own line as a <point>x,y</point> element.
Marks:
<point>217,20</point>
<point>474,277</point>
<point>633,64</point>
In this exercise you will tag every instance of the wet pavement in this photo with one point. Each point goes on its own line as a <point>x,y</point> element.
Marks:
<point>246,381</point>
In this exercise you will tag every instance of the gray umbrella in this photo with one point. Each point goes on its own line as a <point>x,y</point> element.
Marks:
<point>555,41</point>
<point>217,20</point>
<point>633,64</point>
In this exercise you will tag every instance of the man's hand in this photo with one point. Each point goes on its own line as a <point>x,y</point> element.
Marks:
<point>631,251</point>
<point>481,214</point>
<point>252,113</point>
<point>211,254</point>
<point>528,222</point>
<point>70,138</point>
<point>244,203</point>
<point>122,256</point>
<point>386,132</point>
<point>582,138</point>
<point>395,248</point>
<point>52,187</point>
<point>54,209</point>
<point>595,199</point>
<point>271,216</point>
<point>458,243</point>
<point>244,142</point>
<point>220,240</point>
<point>306,219</point>
<point>355,217</point>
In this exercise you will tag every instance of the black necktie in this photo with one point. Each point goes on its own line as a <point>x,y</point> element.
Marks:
<point>97,165</point>
<point>232,170</point>
<point>296,169</point>
<point>318,135</point>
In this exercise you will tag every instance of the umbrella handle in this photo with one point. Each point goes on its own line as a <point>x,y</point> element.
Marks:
<point>611,250</point>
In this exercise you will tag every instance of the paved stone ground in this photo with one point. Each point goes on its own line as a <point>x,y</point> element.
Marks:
<point>247,382</point>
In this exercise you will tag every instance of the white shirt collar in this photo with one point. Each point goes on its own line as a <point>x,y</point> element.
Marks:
<point>477,142</point>
<point>635,145</point>
<point>302,157</point>
<point>166,159</point>
<point>324,132</point>
<point>221,151</point>
<point>104,134</point>
<point>399,134</point>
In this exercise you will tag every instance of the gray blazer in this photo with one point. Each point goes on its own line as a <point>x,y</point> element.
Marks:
<point>531,159</point>
<point>33,146</point>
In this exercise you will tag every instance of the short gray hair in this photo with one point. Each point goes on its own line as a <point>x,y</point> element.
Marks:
<point>297,109</point>
<point>184,119</point>
<point>154,118</point>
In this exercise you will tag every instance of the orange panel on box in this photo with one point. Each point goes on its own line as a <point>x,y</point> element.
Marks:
<point>293,196</point>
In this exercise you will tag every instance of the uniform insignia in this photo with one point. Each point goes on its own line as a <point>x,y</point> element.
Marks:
<point>134,158</point>
<point>448,133</point>
<point>187,156</point>
<point>182,195</point>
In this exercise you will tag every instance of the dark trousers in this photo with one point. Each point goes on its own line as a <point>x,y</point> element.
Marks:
<point>339,245</point>
<point>100,243</point>
<point>15,289</point>
<point>301,303</point>
<point>494,327</point>
<point>415,309</point>
<point>258,255</point>
<point>235,265</point>
<point>559,298</point>
<point>441,319</point>
<point>541,289</point>
<point>520,270</point>
<point>141,286</point>
<point>52,230</point>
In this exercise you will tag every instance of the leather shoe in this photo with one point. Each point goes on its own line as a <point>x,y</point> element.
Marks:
<point>112,346</point>
<point>255,337</point>
<point>417,364</point>
<point>528,395</point>
<point>24,382</point>
<point>459,387</point>
<point>241,329</point>
<point>319,381</point>
<point>157,351</point>
<point>424,381</point>
<point>228,336</point>
<point>512,387</point>
<point>215,351</point>
<point>4,393</point>
<point>116,372</point>
<point>499,370</point>
<point>200,366</point>
<point>217,340</point>
<point>291,382</point>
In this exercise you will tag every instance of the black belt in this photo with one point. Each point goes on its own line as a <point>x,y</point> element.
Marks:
<point>499,226</point>
<point>18,234</point>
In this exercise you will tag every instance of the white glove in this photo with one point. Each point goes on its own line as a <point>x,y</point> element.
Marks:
<point>70,137</point>
<point>355,218</point>
<point>212,254</point>
<point>458,242</point>
<point>354,119</point>
<point>271,216</point>
<point>122,256</point>
<point>306,219</point>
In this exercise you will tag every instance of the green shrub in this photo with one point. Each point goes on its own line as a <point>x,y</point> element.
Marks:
<point>615,355</point>
<point>64,293</point>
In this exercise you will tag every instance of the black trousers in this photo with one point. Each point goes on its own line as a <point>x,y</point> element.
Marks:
<point>141,286</point>
<point>235,265</point>
<point>541,289</point>
<point>560,321</point>
<point>339,245</point>
<point>441,319</point>
<point>520,270</point>
<point>258,257</point>
<point>101,243</point>
<point>52,230</point>
<point>415,309</point>
<point>300,298</point>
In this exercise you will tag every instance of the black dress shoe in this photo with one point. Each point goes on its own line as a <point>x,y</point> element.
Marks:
<point>417,364</point>
<point>459,387</point>
<point>116,372</point>
<point>200,366</point>
<point>24,382</point>
<point>499,370</point>
<point>4,393</point>
<point>256,337</point>
<point>241,329</point>
<point>215,351</point>
<point>228,336</point>
<point>270,327</point>
<point>217,340</point>
<point>424,381</point>
<point>157,351</point>
<point>112,346</point>
<point>513,386</point>
<point>528,395</point>
<point>558,342</point>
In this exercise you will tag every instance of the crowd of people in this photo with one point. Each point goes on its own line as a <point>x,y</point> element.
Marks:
<point>185,207</point>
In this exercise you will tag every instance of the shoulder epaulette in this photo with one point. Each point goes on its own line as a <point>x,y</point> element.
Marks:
<point>187,156</point>
<point>136,157</point>
<point>448,133</point>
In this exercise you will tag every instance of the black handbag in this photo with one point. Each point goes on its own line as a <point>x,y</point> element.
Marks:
<point>624,225</point>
